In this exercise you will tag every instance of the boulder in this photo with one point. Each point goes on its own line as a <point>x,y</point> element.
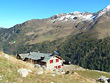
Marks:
<point>1,77</point>
<point>53,75</point>
<point>24,72</point>
<point>37,66</point>
<point>45,68</point>
<point>103,79</point>
<point>39,72</point>
<point>62,72</point>
<point>67,72</point>
<point>6,56</point>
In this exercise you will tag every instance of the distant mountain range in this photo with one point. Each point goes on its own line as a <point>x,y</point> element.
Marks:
<point>58,26</point>
<point>49,34</point>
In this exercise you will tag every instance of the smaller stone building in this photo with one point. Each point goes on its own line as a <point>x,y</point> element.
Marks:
<point>50,61</point>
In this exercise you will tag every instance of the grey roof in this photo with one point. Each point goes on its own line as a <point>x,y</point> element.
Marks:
<point>37,56</point>
<point>23,56</point>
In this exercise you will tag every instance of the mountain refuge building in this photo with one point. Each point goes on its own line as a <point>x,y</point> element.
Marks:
<point>50,61</point>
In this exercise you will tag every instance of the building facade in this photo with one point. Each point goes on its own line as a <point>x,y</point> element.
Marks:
<point>54,63</point>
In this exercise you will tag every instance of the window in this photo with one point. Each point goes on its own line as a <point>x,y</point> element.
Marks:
<point>57,60</point>
<point>51,61</point>
<point>59,66</point>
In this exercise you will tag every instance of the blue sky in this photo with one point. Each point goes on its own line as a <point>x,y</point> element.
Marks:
<point>14,12</point>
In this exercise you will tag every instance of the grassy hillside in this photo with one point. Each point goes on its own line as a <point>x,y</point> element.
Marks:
<point>38,31</point>
<point>8,68</point>
<point>33,32</point>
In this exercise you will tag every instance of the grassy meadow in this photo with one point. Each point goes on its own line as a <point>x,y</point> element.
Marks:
<point>9,67</point>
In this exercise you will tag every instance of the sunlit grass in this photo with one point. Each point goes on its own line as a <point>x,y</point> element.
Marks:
<point>8,68</point>
<point>93,74</point>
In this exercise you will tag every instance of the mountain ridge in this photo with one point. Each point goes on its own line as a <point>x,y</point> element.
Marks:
<point>57,27</point>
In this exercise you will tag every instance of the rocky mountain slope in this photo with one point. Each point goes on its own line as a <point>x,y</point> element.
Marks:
<point>60,25</point>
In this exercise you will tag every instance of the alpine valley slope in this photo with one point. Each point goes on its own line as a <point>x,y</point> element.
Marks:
<point>55,28</point>
<point>10,66</point>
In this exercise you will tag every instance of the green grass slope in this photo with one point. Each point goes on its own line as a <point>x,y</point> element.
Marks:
<point>9,67</point>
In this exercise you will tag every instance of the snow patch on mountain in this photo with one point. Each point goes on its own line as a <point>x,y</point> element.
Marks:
<point>108,7</point>
<point>76,12</point>
<point>80,16</point>
<point>74,16</point>
<point>104,11</point>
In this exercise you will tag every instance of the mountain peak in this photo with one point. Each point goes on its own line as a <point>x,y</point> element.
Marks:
<point>76,12</point>
<point>108,7</point>
<point>73,16</point>
<point>104,11</point>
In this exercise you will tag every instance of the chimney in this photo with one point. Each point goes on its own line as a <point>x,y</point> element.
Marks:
<point>42,57</point>
<point>30,53</point>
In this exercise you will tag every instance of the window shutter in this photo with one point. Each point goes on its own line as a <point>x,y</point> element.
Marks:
<point>57,60</point>
<point>59,66</point>
<point>50,61</point>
